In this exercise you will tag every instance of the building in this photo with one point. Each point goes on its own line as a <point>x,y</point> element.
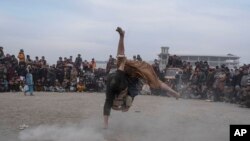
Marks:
<point>229,60</point>
<point>163,57</point>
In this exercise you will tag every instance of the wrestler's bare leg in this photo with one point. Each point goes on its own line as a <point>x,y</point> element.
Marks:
<point>121,50</point>
<point>121,59</point>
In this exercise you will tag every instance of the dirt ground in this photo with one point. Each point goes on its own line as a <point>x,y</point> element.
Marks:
<point>78,117</point>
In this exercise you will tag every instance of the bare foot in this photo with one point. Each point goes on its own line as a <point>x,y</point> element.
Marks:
<point>120,31</point>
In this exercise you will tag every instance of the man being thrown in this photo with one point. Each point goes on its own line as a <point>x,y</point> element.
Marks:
<point>122,84</point>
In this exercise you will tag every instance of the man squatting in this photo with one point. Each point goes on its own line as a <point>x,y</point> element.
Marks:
<point>122,83</point>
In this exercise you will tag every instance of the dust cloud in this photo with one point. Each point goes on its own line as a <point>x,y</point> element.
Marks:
<point>61,133</point>
<point>158,123</point>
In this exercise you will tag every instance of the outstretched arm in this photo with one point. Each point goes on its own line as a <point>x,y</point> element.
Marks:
<point>167,88</point>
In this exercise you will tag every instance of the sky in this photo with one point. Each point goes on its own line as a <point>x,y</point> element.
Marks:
<point>54,28</point>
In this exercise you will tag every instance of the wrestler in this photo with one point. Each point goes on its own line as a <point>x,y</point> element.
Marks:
<point>122,84</point>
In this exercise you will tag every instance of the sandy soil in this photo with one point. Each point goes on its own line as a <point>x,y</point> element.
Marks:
<point>78,116</point>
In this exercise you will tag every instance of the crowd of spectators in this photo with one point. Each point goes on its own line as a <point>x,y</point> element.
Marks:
<point>219,83</point>
<point>65,75</point>
<point>198,81</point>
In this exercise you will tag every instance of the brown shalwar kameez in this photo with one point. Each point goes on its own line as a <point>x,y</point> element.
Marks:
<point>143,70</point>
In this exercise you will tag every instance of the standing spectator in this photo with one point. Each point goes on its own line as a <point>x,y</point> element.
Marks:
<point>93,65</point>
<point>78,62</point>
<point>28,60</point>
<point>236,81</point>
<point>70,60</point>
<point>134,58</point>
<point>7,59</point>
<point>138,57</point>
<point>85,65</point>
<point>110,64</point>
<point>201,83</point>
<point>43,61</point>
<point>51,74</point>
<point>2,56</point>
<point>65,61</point>
<point>210,79</point>
<point>14,62</point>
<point>59,63</point>
<point>156,67</point>
<point>37,62</point>
<point>219,84</point>
<point>29,82</point>
<point>21,57</point>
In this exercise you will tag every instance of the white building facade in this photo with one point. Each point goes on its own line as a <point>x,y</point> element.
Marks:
<point>213,60</point>
<point>229,60</point>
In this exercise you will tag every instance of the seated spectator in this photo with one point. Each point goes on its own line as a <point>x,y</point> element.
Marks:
<point>66,85</point>
<point>58,87</point>
<point>73,84</point>
<point>46,84</point>
<point>38,85</point>
<point>80,87</point>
